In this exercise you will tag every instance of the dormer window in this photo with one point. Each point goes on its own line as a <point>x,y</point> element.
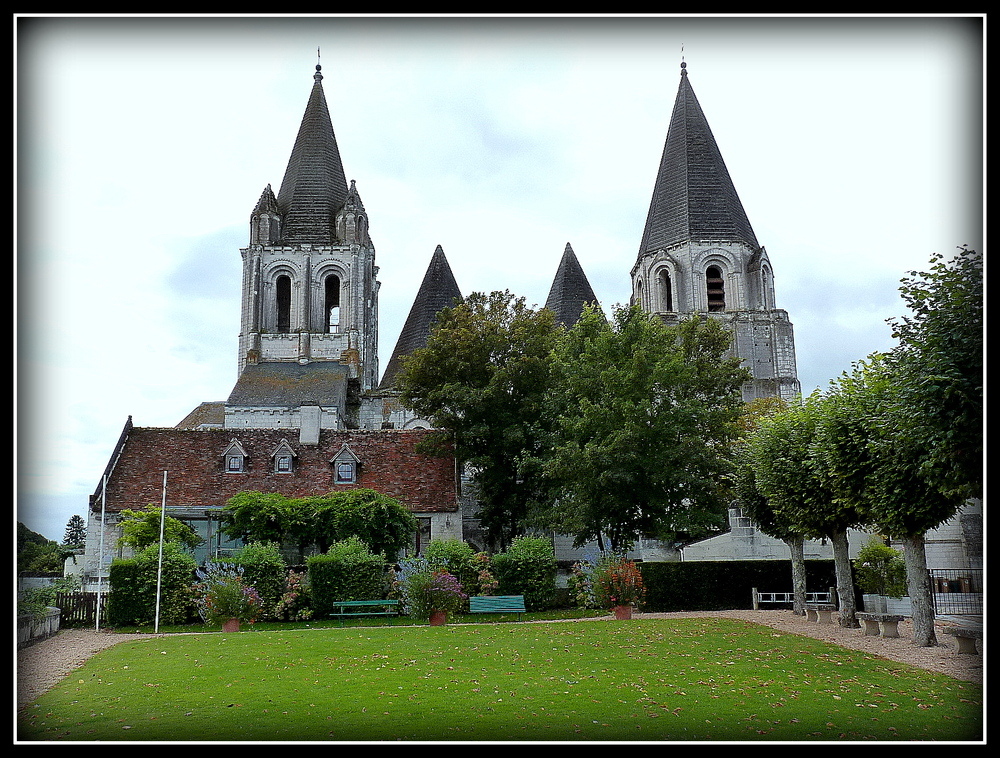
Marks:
<point>284,458</point>
<point>234,458</point>
<point>345,466</point>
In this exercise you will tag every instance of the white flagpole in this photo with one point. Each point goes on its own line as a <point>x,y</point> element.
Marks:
<point>159,565</point>
<point>100,551</point>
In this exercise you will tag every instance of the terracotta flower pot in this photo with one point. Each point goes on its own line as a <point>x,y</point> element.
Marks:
<point>622,611</point>
<point>231,625</point>
<point>439,618</point>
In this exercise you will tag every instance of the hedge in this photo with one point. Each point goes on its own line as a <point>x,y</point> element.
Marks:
<point>723,585</point>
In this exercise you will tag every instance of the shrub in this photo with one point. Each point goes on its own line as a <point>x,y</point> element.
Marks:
<point>617,581</point>
<point>35,600</point>
<point>349,570</point>
<point>132,599</point>
<point>880,570</point>
<point>225,593</point>
<point>528,567</point>
<point>263,567</point>
<point>424,589</point>
<point>295,603</point>
<point>457,558</point>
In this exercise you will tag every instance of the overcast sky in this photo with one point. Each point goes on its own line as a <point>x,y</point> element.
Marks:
<point>143,144</point>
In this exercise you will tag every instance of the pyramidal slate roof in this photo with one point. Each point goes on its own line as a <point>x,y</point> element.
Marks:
<point>314,187</point>
<point>438,290</point>
<point>694,199</point>
<point>570,290</point>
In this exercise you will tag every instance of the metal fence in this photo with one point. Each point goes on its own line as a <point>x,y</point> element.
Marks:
<point>957,592</point>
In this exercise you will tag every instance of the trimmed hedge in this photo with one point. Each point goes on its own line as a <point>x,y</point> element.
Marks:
<point>132,600</point>
<point>347,571</point>
<point>528,568</point>
<point>723,585</point>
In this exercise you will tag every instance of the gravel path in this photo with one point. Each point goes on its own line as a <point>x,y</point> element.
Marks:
<point>44,664</point>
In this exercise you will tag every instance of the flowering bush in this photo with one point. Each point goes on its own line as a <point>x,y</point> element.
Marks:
<point>294,603</point>
<point>424,591</point>
<point>224,595</point>
<point>617,581</point>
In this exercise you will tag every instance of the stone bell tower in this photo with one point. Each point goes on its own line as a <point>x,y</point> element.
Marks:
<point>700,256</point>
<point>309,319</point>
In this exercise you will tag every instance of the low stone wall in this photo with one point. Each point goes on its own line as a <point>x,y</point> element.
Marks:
<point>31,629</point>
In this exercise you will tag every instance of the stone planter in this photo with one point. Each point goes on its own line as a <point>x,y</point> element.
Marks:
<point>622,612</point>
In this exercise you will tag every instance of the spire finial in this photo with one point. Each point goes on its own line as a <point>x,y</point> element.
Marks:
<point>683,64</point>
<point>318,76</point>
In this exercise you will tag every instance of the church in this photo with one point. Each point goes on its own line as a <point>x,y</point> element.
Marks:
<point>310,411</point>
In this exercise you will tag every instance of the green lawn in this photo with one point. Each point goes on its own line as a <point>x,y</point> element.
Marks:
<point>639,680</point>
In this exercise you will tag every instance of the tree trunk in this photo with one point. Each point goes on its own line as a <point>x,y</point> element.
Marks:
<point>918,585</point>
<point>845,583</point>
<point>796,548</point>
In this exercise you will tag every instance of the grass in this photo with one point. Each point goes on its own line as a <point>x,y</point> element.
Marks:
<point>639,680</point>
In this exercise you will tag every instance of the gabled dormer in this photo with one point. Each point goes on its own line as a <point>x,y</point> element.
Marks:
<point>346,466</point>
<point>283,458</point>
<point>234,458</point>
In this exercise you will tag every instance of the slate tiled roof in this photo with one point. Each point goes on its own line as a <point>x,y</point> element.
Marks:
<point>288,385</point>
<point>314,187</point>
<point>570,290</point>
<point>694,198</point>
<point>438,290</point>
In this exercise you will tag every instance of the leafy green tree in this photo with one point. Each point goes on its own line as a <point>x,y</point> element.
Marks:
<point>642,418</point>
<point>939,360</point>
<point>140,529</point>
<point>481,380</point>
<point>791,477</point>
<point>76,532</point>
<point>37,554</point>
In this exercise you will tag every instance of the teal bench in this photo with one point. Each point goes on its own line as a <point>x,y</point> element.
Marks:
<point>344,608</point>
<point>496,604</point>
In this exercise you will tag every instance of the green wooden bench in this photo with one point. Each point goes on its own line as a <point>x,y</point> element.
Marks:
<point>344,608</point>
<point>496,604</point>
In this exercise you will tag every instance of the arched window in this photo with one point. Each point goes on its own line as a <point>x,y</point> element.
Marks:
<point>331,307</point>
<point>283,303</point>
<point>666,292</point>
<point>715,289</point>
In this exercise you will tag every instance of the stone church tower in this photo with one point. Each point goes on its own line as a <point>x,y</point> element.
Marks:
<point>699,254</point>
<point>308,345</point>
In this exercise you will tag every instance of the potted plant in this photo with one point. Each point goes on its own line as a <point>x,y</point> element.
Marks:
<point>617,584</point>
<point>881,575</point>
<point>429,595</point>
<point>224,598</point>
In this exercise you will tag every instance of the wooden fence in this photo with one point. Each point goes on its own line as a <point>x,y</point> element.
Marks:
<point>79,608</point>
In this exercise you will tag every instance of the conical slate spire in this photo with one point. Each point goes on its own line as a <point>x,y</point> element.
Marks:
<point>570,290</point>
<point>314,187</point>
<point>437,291</point>
<point>694,199</point>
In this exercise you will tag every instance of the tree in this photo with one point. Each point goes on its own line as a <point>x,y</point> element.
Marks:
<point>642,418</point>
<point>481,380</point>
<point>37,554</point>
<point>76,532</point>
<point>757,507</point>
<point>939,360</point>
<point>791,477</point>
<point>140,529</point>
